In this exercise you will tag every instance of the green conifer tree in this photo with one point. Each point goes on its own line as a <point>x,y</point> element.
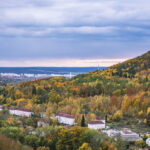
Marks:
<point>83,121</point>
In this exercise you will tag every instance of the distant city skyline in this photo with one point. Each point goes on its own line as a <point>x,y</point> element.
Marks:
<point>72,33</point>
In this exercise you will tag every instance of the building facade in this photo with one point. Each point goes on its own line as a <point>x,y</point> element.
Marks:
<point>1,108</point>
<point>96,125</point>
<point>65,119</point>
<point>21,112</point>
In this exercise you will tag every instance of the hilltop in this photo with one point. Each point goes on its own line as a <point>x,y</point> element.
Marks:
<point>132,66</point>
<point>115,80</point>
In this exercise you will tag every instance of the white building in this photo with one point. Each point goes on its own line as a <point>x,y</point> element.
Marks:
<point>65,119</point>
<point>42,123</point>
<point>128,135</point>
<point>21,112</point>
<point>148,141</point>
<point>1,108</point>
<point>96,124</point>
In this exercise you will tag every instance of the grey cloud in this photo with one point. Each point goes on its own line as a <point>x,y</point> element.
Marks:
<point>62,12</point>
<point>73,28</point>
<point>38,32</point>
<point>15,48</point>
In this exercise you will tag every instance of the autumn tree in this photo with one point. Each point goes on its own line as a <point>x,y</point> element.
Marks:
<point>85,146</point>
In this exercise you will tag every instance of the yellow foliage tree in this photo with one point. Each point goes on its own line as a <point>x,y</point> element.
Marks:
<point>108,146</point>
<point>10,119</point>
<point>21,102</point>
<point>148,110</point>
<point>117,116</point>
<point>85,146</point>
<point>18,94</point>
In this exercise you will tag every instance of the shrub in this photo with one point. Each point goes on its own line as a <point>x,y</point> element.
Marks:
<point>32,140</point>
<point>11,132</point>
<point>85,146</point>
<point>140,143</point>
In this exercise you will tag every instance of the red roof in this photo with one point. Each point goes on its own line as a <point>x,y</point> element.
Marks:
<point>96,122</point>
<point>99,118</point>
<point>65,115</point>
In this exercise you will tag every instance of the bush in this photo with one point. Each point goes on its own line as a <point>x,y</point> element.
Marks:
<point>106,145</point>
<point>85,146</point>
<point>32,140</point>
<point>11,132</point>
<point>140,143</point>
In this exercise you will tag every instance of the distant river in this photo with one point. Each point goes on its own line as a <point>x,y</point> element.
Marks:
<point>42,72</point>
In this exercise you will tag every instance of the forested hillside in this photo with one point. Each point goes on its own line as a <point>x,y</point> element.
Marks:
<point>88,92</point>
<point>131,67</point>
<point>121,92</point>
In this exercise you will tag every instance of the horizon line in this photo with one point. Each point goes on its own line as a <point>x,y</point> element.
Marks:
<point>52,66</point>
<point>101,62</point>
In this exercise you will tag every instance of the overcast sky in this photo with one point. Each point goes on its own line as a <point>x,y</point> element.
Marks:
<point>72,32</point>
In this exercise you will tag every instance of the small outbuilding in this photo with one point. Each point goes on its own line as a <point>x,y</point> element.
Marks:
<point>96,125</point>
<point>21,112</point>
<point>43,123</point>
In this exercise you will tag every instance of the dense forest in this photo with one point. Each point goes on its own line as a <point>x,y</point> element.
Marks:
<point>120,92</point>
